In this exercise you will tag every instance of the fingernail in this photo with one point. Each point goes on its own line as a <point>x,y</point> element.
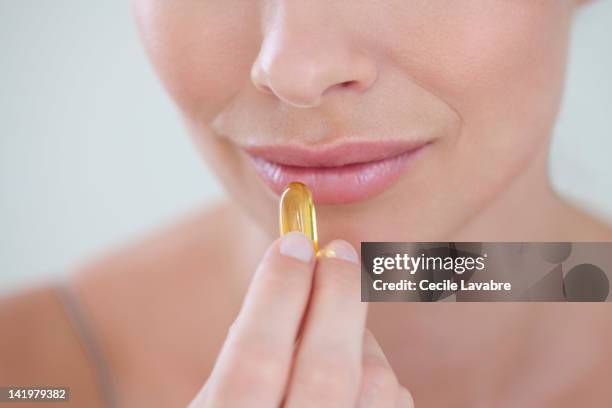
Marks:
<point>341,250</point>
<point>298,246</point>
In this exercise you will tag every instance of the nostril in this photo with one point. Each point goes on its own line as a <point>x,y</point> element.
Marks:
<point>345,85</point>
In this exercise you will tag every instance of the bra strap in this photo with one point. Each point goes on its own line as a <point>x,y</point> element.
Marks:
<point>78,317</point>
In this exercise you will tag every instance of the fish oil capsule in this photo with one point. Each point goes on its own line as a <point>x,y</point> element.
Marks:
<point>297,212</point>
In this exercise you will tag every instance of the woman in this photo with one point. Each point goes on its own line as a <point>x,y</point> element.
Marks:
<point>409,120</point>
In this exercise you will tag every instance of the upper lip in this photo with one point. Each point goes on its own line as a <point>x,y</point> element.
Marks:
<point>334,155</point>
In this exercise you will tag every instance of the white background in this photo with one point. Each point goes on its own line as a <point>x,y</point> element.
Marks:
<point>93,154</point>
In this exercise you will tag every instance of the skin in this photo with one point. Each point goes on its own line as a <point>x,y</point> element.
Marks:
<point>481,79</point>
<point>327,367</point>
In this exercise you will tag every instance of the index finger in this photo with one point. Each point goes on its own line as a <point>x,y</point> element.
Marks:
<point>255,360</point>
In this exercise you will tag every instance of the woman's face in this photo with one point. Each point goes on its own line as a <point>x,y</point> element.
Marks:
<point>405,117</point>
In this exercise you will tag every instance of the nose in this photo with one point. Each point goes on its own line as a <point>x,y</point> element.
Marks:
<point>304,58</point>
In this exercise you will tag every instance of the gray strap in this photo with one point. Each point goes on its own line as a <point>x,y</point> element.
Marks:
<point>78,317</point>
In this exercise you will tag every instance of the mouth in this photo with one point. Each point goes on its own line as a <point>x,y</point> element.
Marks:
<point>337,174</point>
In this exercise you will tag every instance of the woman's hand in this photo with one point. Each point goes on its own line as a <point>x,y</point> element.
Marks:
<point>300,338</point>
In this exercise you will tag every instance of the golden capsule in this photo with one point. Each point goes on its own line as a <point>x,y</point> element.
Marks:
<point>297,212</point>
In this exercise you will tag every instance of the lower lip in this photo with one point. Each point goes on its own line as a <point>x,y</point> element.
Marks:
<point>339,185</point>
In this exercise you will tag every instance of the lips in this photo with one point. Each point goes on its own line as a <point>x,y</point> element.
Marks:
<point>336,174</point>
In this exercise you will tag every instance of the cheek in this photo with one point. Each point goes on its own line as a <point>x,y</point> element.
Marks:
<point>203,51</point>
<point>199,54</point>
<point>498,64</point>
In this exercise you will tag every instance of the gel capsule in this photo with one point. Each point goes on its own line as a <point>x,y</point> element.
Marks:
<point>297,212</point>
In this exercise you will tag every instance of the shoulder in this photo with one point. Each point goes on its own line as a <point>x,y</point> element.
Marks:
<point>186,242</point>
<point>38,346</point>
<point>167,261</point>
<point>164,304</point>
<point>165,271</point>
<point>160,305</point>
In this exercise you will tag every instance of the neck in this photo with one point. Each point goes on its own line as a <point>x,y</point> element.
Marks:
<point>530,210</point>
